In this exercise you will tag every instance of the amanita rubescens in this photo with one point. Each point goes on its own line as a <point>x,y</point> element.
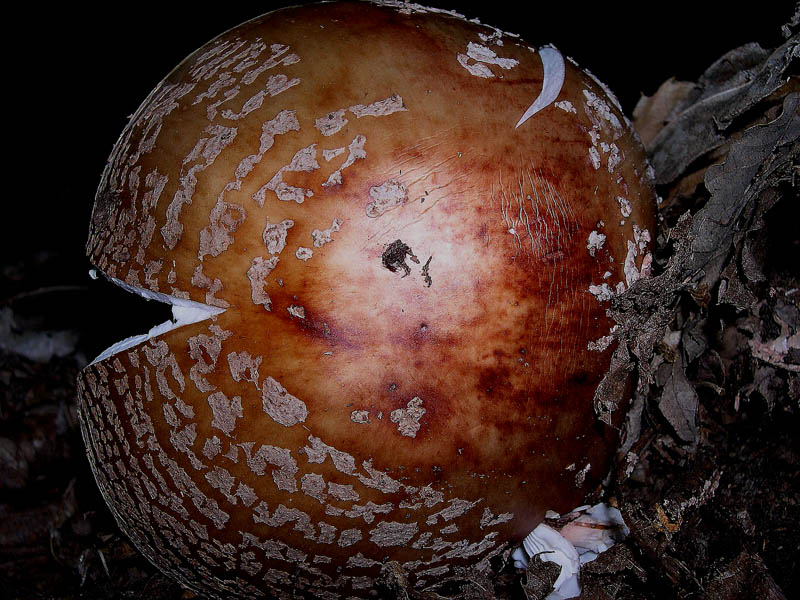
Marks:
<point>390,236</point>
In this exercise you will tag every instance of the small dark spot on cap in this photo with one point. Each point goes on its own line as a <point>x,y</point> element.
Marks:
<point>426,272</point>
<point>394,257</point>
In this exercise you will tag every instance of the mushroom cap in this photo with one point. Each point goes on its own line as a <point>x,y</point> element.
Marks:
<point>410,296</point>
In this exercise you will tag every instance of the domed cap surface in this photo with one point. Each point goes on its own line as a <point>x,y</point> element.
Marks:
<point>409,227</point>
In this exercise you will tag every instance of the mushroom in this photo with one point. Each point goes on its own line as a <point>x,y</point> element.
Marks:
<point>378,227</point>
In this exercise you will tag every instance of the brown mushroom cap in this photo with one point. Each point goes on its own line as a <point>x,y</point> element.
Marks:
<point>414,295</point>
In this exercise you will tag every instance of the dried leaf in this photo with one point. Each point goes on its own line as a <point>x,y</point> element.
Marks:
<point>730,87</point>
<point>762,158</point>
<point>693,339</point>
<point>653,112</point>
<point>540,577</point>
<point>633,421</point>
<point>678,403</point>
<point>767,151</point>
<point>745,572</point>
<point>733,291</point>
